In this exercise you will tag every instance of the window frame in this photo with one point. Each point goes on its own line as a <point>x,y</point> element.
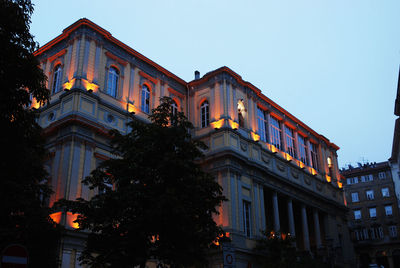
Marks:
<point>262,124</point>
<point>389,208</point>
<point>275,132</point>
<point>354,200</point>
<point>314,155</point>
<point>57,77</point>
<point>303,153</point>
<point>290,141</point>
<point>385,192</point>
<point>357,214</point>
<point>145,98</point>
<point>370,210</point>
<point>247,218</point>
<point>370,194</point>
<point>113,77</point>
<point>204,114</point>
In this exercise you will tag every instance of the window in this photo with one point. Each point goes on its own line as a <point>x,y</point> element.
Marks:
<point>145,99</point>
<point>205,114</point>
<point>370,194</point>
<point>241,110</point>
<point>367,178</point>
<point>352,180</point>
<point>112,82</point>
<point>361,234</point>
<point>314,156</point>
<point>382,175</point>
<point>290,149</point>
<point>261,124</point>
<point>376,232</point>
<point>247,218</point>
<point>275,132</point>
<point>357,214</point>
<point>388,210</point>
<point>393,231</point>
<point>354,197</point>
<point>57,78</point>
<point>372,212</point>
<point>174,107</point>
<point>385,192</point>
<point>302,150</point>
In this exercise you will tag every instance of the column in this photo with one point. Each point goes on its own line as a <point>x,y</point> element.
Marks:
<point>305,228</point>
<point>292,229</point>
<point>277,225</point>
<point>317,229</point>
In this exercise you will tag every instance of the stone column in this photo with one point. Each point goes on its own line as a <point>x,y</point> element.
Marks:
<point>277,225</point>
<point>305,228</point>
<point>292,229</point>
<point>317,229</point>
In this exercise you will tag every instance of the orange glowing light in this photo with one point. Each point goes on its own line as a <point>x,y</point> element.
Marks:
<point>273,148</point>
<point>300,164</point>
<point>69,84</point>
<point>283,235</point>
<point>233,124</point>
<point>70,220</point>
<point>313,171</point>
<point>56,217</point>
<point>288,157</point>
<point>217,124</point>
<point>328,178</point>
<point>90,86</point>
<point>340,184</point>
<point>255,136</point>
<point>35,104</point>
<point>132,108</point>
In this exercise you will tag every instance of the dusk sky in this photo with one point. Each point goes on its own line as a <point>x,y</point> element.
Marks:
<point>332,64</point>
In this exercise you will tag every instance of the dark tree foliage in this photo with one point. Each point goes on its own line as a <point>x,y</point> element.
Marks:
<point>23,184</point>
<point>279,251</point>
<point>162,203</point>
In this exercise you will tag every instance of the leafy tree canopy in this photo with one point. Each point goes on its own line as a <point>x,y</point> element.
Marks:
<point>154,201</point>
<point>23,184</point>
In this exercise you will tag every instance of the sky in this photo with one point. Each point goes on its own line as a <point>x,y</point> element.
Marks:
<point>332,64</point>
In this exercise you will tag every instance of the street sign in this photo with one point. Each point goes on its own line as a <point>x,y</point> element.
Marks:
<point>14,256</point>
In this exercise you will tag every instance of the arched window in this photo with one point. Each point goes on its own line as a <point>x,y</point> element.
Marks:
<point>145,99</point>
<point>241,110</point>
<point>174,108</point>
<point>205,114</point>
<point>112,82</point>
<point>57,78</point>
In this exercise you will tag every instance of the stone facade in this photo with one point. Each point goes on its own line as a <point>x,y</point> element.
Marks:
<point>278,174</point>
<point>374,219</point>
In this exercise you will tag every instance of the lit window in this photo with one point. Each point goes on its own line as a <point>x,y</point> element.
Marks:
<point>145,99</point>
<point>302,150</point>
<point>370,194</point>
<point>393,231</point>
<point>314,156</point>
<point>388,210</point>
<point>372,212</point>
<point>382,175</point>
<point>261,123</point>
<point>354,197</point>
<point>275,132</point>
<point>357,214</point>
<point>57,78</point>
<point>290,142</point>
<point>241,110</point>
<point>205,114</point>
<point>247,218</point>
<point>112,82</point>
<point>385,192</point>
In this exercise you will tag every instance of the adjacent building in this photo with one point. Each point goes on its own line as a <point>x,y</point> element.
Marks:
<point>374,218</point>
<point>278,173</point>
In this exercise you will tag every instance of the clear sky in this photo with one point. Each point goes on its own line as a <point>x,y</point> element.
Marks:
<point>331,63</point>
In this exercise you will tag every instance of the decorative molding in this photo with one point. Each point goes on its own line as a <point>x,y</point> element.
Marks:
<point>145,75</point>
<point>116,58</point>
<point>58,54</point>
<point>174,92</point>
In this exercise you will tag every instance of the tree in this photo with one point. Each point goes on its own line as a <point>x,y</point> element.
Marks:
<point>155,201</point>
<point>23,184</point>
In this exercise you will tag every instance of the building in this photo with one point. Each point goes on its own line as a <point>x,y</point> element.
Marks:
<point>374,219</point>
<point>278,173</point>
<point>394,159</point>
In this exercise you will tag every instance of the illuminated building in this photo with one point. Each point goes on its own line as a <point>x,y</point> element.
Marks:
<point>374,218</point>
<point>277,173</point>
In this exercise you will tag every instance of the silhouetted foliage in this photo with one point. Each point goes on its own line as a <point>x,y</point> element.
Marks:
<point>23,185</point>
<point>154,201</point>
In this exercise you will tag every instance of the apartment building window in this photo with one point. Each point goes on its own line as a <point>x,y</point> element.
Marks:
<point>112,81</point>
<point>145,99</point>
<point>385,192</point>
<point>247,218</point>
<point>393,231</point>
<point>275,132</point>
<point>57,78</point>
<point>314,156</point>
<point>372,212</point>
<point>352,180</point>
<point>357,214</point>
<point>174,108</point>
<point>205,114</point>
<point>388,210</point>
<point>241,110</point>
<point>354,197</point>
<point>376,232</point>
<point>367,178</point>
<point>290,149</point>
<point>302,150</point>
<point>261,123</point>
<point>361,234</point>
<point>370,194</point>
<point>382,175</point>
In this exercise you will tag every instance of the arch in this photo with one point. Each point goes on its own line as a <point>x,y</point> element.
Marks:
<point>57,76</point>
<point>112,81</point>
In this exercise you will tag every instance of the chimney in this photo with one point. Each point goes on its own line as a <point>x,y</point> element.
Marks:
<point>196,75</point>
